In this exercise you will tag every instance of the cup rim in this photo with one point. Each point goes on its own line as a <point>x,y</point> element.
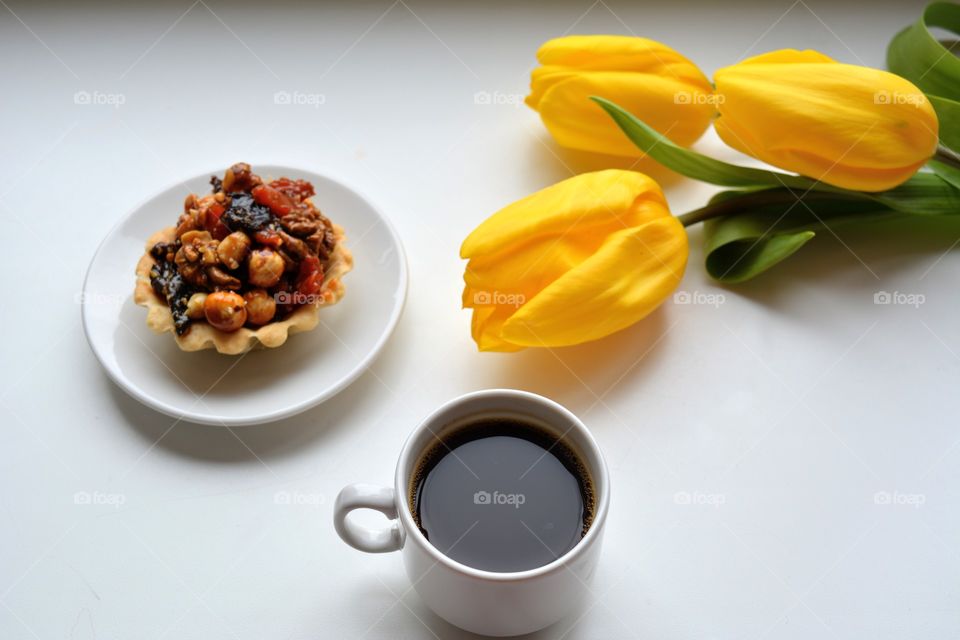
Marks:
<point>412,531</point>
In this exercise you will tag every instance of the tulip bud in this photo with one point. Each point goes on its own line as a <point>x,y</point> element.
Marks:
<point>574,262</point>
<point>848,126</point>
<point>647,78</point>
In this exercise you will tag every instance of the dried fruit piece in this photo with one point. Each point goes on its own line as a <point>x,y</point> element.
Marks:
<point>310,277</point>
<point>278,202</point>
<point>175,291</point>
<point>244,214</point>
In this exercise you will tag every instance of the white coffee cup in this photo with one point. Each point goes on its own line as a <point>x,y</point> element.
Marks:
<point>484,602</point>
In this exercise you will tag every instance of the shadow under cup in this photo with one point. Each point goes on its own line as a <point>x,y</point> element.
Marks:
<point>500,602</point>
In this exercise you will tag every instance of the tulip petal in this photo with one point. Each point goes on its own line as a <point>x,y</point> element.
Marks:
<point>619,53</point>
<point>671,107</point>
<point>849,126</point>
<point>661,86</point>
<point>525,272</point>
<point>572,262</point>
<point>788,56</point>
<point>486,325</point>
<point>630,275</point>
<point>601,201</point>
<point>520,250</point>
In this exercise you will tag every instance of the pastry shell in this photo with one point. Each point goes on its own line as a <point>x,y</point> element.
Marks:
<point>204,336</point>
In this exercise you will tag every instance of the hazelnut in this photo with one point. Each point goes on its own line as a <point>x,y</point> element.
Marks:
<point>225,310</point>
<point>265,267</point>
<point>233,249</point>
<point>195,306</point>
<point>261,306</point>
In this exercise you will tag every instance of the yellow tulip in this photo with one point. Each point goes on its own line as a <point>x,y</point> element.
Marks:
<point>647,78</point>
<point>572,263</point>
<point>848,126</point>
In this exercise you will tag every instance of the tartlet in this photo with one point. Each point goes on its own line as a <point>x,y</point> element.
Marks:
<point>245,266</point>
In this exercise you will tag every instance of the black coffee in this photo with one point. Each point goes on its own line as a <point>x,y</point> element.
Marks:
<point>501,494</point>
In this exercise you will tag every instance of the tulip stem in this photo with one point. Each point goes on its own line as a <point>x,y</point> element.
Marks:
<point>947,156</point>
<point>750,199</point>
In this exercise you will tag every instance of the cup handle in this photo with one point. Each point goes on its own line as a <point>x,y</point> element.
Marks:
<point>367,496</point>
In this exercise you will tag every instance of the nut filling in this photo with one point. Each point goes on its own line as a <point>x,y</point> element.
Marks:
<point>247,254</point>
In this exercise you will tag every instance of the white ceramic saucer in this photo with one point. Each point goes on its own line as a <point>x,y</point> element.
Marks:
<point>266,384</point>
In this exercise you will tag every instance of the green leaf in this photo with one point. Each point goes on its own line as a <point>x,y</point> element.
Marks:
<point>948,113</point>
<point>744,255</point>
<point>692,164</point>
<point>923,194</point>
<point>915,53</point>
<point>768,228</point>
<point>918,56</point>
<point>947,172</point>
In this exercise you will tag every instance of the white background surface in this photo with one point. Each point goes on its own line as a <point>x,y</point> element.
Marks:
<point>780,414</point>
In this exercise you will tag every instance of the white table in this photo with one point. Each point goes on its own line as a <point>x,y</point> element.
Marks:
<point>752,445</point>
